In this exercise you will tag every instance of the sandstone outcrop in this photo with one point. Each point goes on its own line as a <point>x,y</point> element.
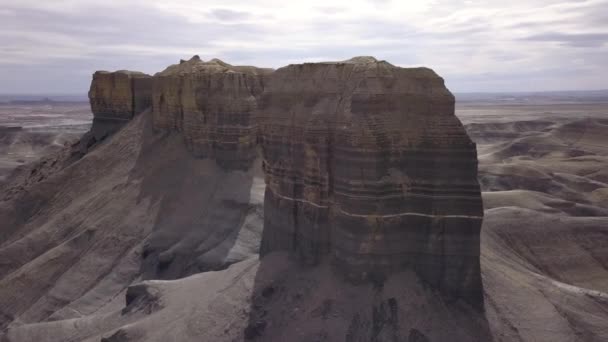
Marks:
<point>116,97</point>
<point>212,104</point>
<point>367,163</point>
<point>119,95</point>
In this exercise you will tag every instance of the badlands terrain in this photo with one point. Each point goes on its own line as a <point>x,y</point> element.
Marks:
<point>150,226</point>
<point>30,129</point>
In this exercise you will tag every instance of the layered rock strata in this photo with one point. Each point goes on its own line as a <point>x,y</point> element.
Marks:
<point>367,163</point>
<point>212,104</point>
<point>116,97</point>
<point>120,95</point>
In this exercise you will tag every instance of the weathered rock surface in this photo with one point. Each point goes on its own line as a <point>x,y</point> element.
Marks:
<point>366,162</point>
<point>116,97</point>
<point>119,95</point>
<point>213,105</point>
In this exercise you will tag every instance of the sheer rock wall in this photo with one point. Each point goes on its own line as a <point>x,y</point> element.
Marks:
<point>213,105</point>
<point>366,163</point>
<point>116,97</point>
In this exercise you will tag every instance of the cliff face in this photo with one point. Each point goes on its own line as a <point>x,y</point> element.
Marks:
<point>119,95</point>
<point>116,97</point>
<point>213,105</point>
<point>367,163</point>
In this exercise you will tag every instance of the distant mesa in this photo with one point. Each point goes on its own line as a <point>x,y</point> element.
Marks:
<point>42,101</point>
<point>8,129</point>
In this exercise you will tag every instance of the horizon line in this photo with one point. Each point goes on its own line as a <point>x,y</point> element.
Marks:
<point>453,92</point>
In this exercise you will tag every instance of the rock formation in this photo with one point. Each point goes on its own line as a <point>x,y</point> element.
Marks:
<point>367,163</point>
<point>370,177</point>
<point>116,97</point>
<point>212,104</point>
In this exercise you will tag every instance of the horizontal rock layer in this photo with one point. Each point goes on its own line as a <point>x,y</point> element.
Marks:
<point>212,104</point>
<point>115,98</point>
<point>367,163</point>
<point>119,95</point>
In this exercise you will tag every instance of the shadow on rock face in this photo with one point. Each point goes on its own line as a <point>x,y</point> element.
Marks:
<point>201,208</point>
<point>291,302</point>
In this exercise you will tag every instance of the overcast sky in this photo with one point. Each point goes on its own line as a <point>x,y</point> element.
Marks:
<point>490,45</point>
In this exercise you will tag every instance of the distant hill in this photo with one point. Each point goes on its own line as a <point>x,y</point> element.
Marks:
<point>549,97</point>
<point>41,98</point>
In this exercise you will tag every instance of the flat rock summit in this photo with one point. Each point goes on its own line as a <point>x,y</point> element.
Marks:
<point>332,201</point>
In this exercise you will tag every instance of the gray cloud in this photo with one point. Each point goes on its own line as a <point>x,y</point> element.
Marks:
<point>572,39</point>
<point>229,15</point>
<point>536,44</point>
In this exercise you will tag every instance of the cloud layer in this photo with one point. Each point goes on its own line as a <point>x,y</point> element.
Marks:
<point>516,45</point>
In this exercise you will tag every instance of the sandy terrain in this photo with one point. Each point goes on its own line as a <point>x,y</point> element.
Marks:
<point>83,246</point>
